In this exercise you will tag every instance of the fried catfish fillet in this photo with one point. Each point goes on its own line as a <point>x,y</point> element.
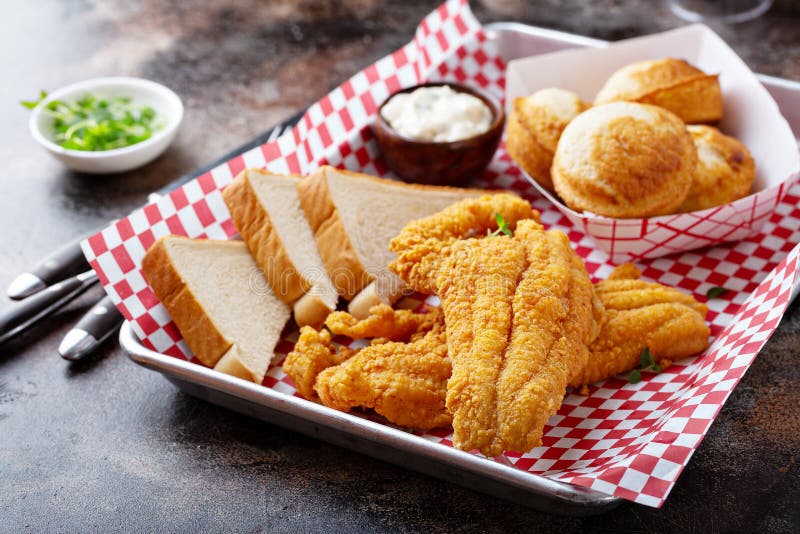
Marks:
<point>312,353</point>
<point>519,313</point>
<point>383,322</point>
<point>476,285</point>
<point>640,315</point>
<point>404,382</point>
<point>556,316</point>
<point>418,245</point>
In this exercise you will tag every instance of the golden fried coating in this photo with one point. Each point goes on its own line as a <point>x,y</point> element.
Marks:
<point>640,315</point>
<point>725,170</point>
<point>476,286</point>
<point>383,322</point>
<point>312,353</point>
<point>519,312</point>
<point>554,319</point>
<point>626,271</point>
<point>418,245</point>
<point>404,382</point>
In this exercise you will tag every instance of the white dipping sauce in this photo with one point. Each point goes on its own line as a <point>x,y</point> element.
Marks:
<point>437,114</point>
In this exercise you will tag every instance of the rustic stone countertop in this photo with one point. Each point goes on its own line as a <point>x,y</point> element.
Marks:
<point>105,445</point>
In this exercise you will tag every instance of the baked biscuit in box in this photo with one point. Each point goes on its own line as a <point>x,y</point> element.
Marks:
<point>750,114</point>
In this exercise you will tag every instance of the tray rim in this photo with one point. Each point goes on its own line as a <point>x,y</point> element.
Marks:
<point>573,499</point>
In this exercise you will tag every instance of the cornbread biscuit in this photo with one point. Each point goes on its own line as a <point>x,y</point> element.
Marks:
<point>670,83</point>
<point>624,160</point>
<point>534,126</point>
<point>725,170</point>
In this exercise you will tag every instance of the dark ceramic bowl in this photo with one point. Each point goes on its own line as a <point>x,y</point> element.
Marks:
<point>428,162</point>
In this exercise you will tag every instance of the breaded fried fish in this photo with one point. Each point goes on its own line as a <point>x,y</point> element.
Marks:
<point>476,284</point>
<point>555,317</point>
<point>403,380</point>
<point>519,313</point>
<point>640,315</point>
<point>312,354</point>
<point>383,322</point>
<point>420,242</point>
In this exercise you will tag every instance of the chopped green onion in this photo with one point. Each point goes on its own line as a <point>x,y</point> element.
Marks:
<point>30,104</point>
<point>646,359</point>
<point>94,123</point>
<point>648,363</point>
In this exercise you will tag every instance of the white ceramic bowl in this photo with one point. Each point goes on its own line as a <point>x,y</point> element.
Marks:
<point>163,100</point>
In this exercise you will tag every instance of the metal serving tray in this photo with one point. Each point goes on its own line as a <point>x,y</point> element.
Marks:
<point>384,442</point>
<point>364,436</point>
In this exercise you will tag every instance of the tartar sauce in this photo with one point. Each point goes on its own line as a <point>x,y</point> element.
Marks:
<point>437,114</point>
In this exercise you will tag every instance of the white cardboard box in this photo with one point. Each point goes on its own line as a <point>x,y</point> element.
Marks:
<point>751,115</point>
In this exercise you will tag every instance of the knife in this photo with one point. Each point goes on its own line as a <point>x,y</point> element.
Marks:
<point>66,261</point>
<point>30,311</point>
<point>104,319</point>
<point>69,260</point>
<point>98,324</point>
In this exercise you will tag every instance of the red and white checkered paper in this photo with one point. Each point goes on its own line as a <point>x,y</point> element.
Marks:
<point>627,440</point>
<point>641,239</point>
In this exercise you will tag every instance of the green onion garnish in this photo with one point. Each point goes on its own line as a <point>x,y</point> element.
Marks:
<point>93,123</point>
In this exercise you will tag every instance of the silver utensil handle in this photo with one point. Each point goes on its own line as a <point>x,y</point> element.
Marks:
<point>64,262</point>
<point>100,321</point>
<point>30,311</point>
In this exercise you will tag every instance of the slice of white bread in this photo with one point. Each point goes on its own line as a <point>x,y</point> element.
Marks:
<point>354,216</point>
<point>265,209</point>
<point>217,297</point>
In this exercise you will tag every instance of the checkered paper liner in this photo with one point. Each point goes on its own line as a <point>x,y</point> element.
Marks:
<point>640,239</point>
<point>626,440</point>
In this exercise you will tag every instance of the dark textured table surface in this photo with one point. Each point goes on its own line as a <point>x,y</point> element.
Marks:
<point>105,445</point>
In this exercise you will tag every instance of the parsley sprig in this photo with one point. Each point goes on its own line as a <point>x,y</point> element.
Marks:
<point>93,123</point>
<point>502,227</point>
<point>716,291</point>
<point>648,363</point>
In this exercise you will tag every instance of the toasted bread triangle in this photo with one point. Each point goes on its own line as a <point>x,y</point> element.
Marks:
<point>354,216</point>
<point>265,209</point>
<point>217,297</point>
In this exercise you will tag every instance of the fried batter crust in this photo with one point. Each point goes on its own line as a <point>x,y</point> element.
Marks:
<point>419,243</point>
<point>383,322</point>
<point>476,285</point>
<point>555,318</point>
<point>518,311</point>
<point>640,315</point>
<point>312,353</point>
<point>404,382</point>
